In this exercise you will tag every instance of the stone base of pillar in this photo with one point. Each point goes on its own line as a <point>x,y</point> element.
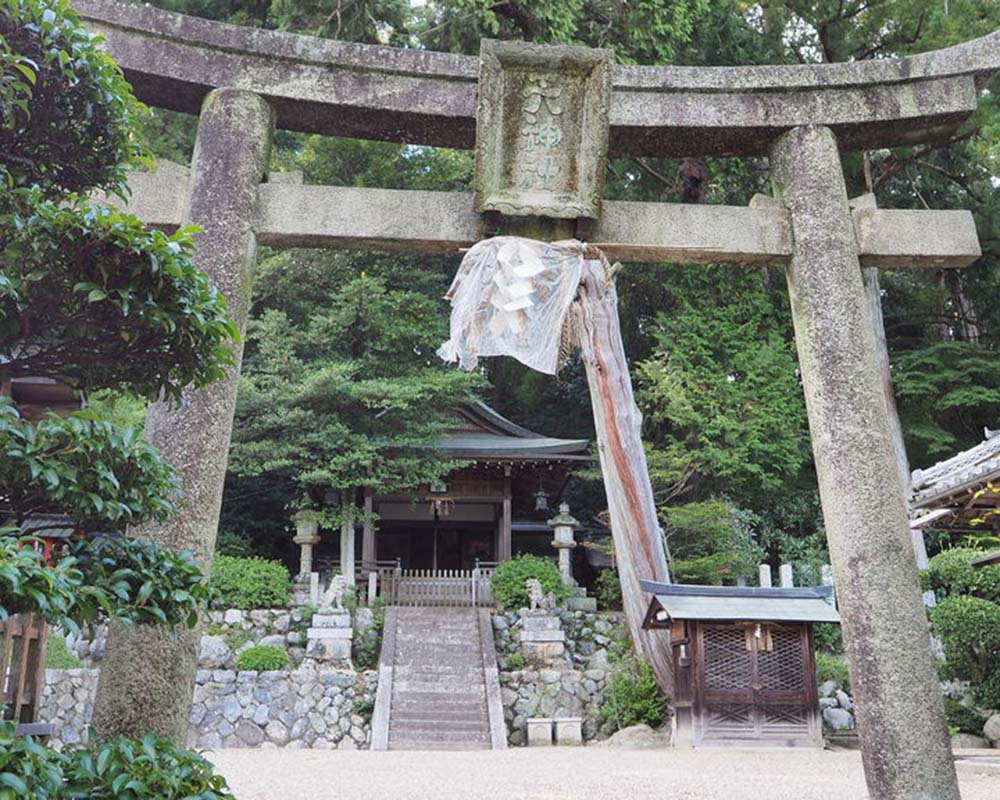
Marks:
<point>543,641</point>
<point>329,639</point>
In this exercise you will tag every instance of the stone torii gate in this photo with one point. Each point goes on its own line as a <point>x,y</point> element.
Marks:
<point>547,118</point>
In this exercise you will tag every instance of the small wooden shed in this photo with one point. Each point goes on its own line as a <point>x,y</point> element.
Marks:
<point>744,661</point>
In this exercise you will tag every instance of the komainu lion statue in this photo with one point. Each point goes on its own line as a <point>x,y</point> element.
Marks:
<point>538,598</point>
<point>333,597</point>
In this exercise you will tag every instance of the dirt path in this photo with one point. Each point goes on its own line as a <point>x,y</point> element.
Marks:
<point>591,773</point>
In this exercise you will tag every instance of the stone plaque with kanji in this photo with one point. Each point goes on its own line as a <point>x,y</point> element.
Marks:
<point>541,129</point>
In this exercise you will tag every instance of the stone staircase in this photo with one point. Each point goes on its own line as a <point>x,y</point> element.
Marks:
<point>439,688</point>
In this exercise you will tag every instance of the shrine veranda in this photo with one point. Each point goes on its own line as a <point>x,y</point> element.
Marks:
<point>543,121</point>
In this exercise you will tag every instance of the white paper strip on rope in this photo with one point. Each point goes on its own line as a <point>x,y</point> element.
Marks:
<point>510,298</point>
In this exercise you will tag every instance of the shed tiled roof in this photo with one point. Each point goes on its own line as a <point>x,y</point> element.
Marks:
<point>741,603</point>
<point>967,469</point>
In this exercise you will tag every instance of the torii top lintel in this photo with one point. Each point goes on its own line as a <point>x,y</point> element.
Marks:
<point>322,86</point>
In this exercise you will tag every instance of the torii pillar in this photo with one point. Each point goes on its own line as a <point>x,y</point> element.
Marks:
<point>900,712</point>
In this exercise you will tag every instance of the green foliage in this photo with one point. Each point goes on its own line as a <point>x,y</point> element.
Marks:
<point>828,637</point>
<point>58,655</point>
<point>82,467</point>
<point>969,629</point>
<point>237,545</point>
<point>515,661</point>
<point>28,771</point>
<point>262,658</point>
<point>139,315</point>
<point>129,769</point>
<point>708,542</point>
<point>950,574</point>
<point>131,581</point>
<point>963,718</point>
<point>509,578</point>
<point>250,583</point>
<point>832,667</point>
<point>609,590</point>
<point>720,388</point>
<point>633,696</point>
<point>121,769</point>
<point>66,112</point>
<point>348,396</point>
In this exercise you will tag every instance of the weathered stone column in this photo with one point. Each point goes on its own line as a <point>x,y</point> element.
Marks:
<point>900,711</point>
<point>147,677</point>
<point>563,525</point>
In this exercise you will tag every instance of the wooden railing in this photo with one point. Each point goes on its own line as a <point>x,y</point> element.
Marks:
<point>22,667</point>
<point>441,587</point>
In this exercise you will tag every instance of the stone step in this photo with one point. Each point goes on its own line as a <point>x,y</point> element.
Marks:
<point>452,726</point>
<point>471,713</point>
<point>423,744</point>
<point>440,699</point>
<point>436,686</point>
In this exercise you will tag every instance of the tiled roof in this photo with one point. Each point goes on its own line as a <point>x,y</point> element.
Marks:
<point>742,603</point>
<point>971,467</point>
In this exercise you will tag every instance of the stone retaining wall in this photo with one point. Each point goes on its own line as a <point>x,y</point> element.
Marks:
<point>68,703</point>
<point>303,708</point>
<point>554,693</point>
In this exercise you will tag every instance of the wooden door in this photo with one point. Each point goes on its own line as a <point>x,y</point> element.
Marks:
<point>755,682</point>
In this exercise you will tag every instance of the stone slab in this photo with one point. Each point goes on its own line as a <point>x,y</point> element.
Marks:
<point>569,731</point>
<point>543,636</point>
<point>539,732</point>
<point>540,622</point>
<point>330,633</point>
<point>581,603</point>
<point>332,620</point>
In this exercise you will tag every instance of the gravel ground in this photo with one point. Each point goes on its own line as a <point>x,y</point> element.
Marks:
<point>592,773</point>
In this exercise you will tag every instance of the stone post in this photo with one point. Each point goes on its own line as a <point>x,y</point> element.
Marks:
<point>787,576</point>
<point>563,525</point>
<point>147,677</point>
<point>900,713</point>
<point>764,572</point>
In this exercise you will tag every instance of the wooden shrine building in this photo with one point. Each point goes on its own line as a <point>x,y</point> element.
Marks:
<point>496,505</point>
<point>961,492</point>
<point>744,661</point>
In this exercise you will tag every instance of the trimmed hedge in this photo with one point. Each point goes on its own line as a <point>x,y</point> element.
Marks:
<point>262,658</point>
<point>508,584</point>
<point>950,573</point>
<point>969,629</point>
<point>250,583</point>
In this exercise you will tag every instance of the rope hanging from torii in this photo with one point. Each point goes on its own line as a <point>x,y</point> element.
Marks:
<point>536,301</point>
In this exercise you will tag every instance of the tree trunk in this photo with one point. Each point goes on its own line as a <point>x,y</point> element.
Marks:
<point>638,541</point>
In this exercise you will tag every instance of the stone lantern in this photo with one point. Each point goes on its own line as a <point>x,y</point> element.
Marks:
<point>563,525</point>
<point>306,535</point>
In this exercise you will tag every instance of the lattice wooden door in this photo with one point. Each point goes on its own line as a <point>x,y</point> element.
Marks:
<point>755,683</point>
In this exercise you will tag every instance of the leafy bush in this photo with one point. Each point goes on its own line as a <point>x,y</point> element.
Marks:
<point>123,769</point>
<point>633,696</point>
<point>609,590</point>
<point>155,768</point>
<point>58,655</point>
<point>262,658</point>
<point>828,637</point>
<point>237,545</point>
<point>969,629</point>
<point>962,718</point>
<point>66,111</point>
<point>831,667</point>
<point>134,582</point>
<point>508,584</point>
<point>950,574</point>
<point>515,661</point>
<point>250,582</point>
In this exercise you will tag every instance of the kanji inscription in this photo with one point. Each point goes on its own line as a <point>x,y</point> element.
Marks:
<point>541,130</point>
